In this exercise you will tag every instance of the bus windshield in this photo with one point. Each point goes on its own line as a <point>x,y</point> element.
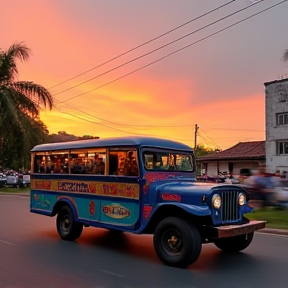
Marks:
<point>170,161</point>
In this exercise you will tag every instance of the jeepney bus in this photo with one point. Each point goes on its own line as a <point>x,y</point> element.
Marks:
<point>140,185</point>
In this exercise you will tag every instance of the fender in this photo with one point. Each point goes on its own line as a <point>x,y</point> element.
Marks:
<point>68,200</point>
<point>191,209</point>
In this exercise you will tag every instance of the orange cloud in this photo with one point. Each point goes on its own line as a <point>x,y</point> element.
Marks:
<point>156,101</point>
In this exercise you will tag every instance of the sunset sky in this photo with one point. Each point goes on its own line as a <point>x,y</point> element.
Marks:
<point>217,82</point>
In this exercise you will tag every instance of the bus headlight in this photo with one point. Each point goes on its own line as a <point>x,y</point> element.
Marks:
<point>216,201</point>
<point>241,199</point>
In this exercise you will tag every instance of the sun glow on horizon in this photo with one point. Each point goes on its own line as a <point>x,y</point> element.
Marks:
<point>203,86</point>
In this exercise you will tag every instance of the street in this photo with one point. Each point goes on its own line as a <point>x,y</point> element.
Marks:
<point>33,255</point>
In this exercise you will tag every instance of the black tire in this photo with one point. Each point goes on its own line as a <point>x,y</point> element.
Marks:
<point>67,227</point>
<point>234,244</point>
<point>177,242</point>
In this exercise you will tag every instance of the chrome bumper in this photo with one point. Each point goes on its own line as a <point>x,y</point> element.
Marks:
<point>233,230</point>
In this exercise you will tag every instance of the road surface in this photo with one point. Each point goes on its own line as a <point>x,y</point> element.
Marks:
<point>32,255</point>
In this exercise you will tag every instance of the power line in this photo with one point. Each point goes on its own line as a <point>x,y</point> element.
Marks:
<point>128,125</point>
<point>145,43</point>
<point>233,129</point>
<point>176,51</point>
<point>237,137</point>
<point>211,140</point>
<point>156,126</point>
<point>134,133</point>
<point>159,48</point>
<point>190,45</point>
<point>121,130</point>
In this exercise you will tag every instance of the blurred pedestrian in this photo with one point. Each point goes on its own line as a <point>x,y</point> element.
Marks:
<point>264,186</point>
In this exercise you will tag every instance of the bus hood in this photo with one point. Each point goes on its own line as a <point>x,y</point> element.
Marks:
<point>188,191</point>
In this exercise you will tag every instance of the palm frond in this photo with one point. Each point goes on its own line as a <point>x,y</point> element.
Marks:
<point>14,104</point>
<point>8,109</point>
<point>34,131</point>
<point>35,92</point>
<point>19,50</point>
<point>8,67</point>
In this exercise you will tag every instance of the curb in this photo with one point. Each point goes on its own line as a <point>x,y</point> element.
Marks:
<point>274,231</point>
<point>15,193</point>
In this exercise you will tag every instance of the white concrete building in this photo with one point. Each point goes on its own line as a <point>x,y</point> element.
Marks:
<point>247,155</point>
<point>276,146</point>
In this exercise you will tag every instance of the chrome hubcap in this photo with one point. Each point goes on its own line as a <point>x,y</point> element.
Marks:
<point>65,223</point>
<point>172,242</point>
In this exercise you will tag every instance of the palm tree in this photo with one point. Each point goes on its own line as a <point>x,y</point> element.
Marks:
<point>20,103</point>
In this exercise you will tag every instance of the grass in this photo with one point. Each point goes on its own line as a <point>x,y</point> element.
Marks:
<point>14,190</point>
<point>275,217</point>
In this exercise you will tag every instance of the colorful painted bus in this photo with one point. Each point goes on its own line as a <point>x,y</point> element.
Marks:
<point>140,185</point>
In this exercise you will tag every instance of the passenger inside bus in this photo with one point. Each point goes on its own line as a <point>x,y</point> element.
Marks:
<point>123,163</point>
<point>130,165</point>
<point>98,166</point>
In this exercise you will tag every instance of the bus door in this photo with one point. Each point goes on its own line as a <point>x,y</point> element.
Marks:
<point>121,193</point>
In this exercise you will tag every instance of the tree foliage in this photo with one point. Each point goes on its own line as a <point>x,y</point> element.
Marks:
<point>62,136</point>
<point>20,106</point>
<point>201,151</point>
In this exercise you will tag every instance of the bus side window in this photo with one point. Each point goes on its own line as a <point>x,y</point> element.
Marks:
<point>123,163</point>
<point>127,165</point>
<point>98,167</point>
<point>37,163</point>
<point>113,164</point>
<point>131,166</point>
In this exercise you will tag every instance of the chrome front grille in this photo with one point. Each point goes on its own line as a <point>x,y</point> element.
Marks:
<point>230,207</point>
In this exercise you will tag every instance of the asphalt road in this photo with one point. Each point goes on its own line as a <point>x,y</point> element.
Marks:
<point>32,255</point>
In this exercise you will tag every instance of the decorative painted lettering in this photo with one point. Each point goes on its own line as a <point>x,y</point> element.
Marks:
<point>92,208</point>
<point>171,197</point>
<point>147,211</point>
<point>115,211</point>
<point>73,187</point>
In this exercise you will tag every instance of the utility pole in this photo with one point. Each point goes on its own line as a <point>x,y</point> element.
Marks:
<point>195,139</point>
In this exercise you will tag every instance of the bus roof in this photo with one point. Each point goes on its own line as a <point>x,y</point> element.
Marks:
<point>113,142</point>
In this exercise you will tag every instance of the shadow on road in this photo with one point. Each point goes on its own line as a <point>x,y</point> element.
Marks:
<point>138,247</point>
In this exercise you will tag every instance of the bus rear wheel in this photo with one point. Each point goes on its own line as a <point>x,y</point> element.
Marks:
<point>68,229</point>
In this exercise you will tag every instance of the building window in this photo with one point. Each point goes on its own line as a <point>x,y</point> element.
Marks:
<point>282,118</point>
<point>282,147</point>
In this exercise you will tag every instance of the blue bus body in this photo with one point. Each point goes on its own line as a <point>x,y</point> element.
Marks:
<point>106,193</point>
<point>161,190</point>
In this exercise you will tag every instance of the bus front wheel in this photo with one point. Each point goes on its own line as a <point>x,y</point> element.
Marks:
<point>177,242</point>
<point>67,227</point>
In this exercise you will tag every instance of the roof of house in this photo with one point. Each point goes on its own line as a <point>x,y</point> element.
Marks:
<point>241,151</point>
